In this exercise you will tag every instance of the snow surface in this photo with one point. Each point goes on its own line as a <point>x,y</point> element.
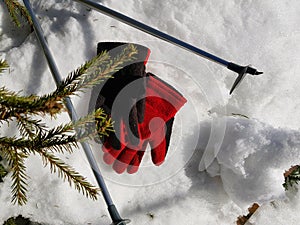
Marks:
<point>241,160</point>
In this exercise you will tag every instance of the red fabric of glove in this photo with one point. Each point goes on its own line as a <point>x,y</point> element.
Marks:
<point>161,104</point>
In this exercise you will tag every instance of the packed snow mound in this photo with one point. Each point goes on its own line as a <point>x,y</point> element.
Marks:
<point>252,158</point>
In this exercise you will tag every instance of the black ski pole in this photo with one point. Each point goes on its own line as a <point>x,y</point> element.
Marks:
<point>116,218</point>
<point>240,70</point>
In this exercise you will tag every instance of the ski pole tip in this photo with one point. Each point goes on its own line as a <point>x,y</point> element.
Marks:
<point>242,71</point>
<point>258,73</point>
<point>121,222</point>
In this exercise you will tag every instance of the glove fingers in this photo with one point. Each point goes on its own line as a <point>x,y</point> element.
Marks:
<point>159,143</point>
<point>113,147</point>
<point>110,156</point>
<point>158,153</point>
<point>110,153</point>
<point>169,126</point>
<point>123,160</point>
<point>114,142</point>
<point>133,134</point>
<point>118,139</point>
<point>137,159</point>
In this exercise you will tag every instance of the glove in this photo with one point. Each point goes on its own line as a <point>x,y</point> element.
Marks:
<point>137,120</point>
<point>161,104</point>
<point>129,106</point>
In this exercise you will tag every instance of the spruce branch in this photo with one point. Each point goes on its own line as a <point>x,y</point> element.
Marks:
<point>3,65</point>
<point>54,140</point>
<point>57,140</point>
<point>104,125</point>
<point>16,160</point>
<point>3,172</point>
<point>20,220</point>
<point>29,127</point>
<point>17,11</point>
<point>10,221</point>
<point>291,177</point>
<point>67,173</point>
<point>96,70</point>
<point>93,125</point>
<point>90,74</point>
<point>109,67</point>
<point>35,137</point>
<point>15,105</point>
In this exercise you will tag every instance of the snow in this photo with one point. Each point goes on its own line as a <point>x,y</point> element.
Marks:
<point>218,164</point>
<point>252,158</point>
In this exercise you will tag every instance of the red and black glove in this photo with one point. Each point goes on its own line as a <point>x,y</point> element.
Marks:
<point>143,115</point>
<point>122,96</point>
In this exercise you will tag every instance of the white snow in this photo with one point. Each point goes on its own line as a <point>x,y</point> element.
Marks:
<point>241,160</point>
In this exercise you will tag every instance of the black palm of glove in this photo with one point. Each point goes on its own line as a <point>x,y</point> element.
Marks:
<point>122,96</point>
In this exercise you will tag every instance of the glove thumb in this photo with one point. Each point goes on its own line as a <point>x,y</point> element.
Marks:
<point>159,142</point>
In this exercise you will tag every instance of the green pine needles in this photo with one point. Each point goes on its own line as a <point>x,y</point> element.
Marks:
<point>35,137</point>
<point>3,171</point>
<point>17,12</point>
<point>292,177</point>
<point>19,220</point>
<point>3,65</point>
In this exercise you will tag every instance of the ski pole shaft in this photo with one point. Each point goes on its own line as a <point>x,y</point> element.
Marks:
<point>240,70</point>
<point>152,31</point>
<point>74,117</point>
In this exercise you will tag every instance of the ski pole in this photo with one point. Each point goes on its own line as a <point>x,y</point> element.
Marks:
<point>240,70</point>
<point>117,220</point>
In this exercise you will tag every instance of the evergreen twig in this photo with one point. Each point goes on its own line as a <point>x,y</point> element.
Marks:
<point>96,71</point>
<point>291,177</point>
<point>94,125</point>
<point>35,137</point>
<point>3,172</point>
<point>3,65</point>
<point>19,220</point>
<point>17,11</point>
<point>68,173</point>
<point>29,127</point>
<point>90,74</point>
<point>16,160</point>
